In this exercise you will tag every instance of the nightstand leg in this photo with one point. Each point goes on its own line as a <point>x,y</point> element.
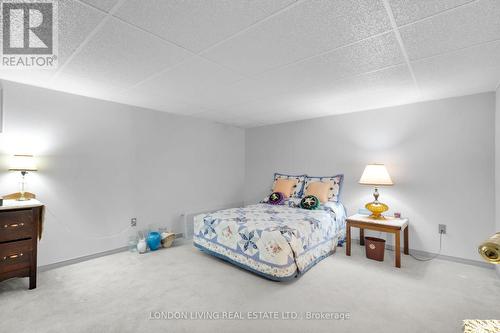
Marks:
<point>32,280</point>
<point>348,243</point>
<point>398,249</point>
<point>406,240</point>
<point>361,236</point>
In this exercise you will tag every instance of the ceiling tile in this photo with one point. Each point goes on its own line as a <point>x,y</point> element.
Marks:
<point>76,22</point>
<point>464,72</point>
<point>384,88</point>
<point>407,11</point>
<point>368,55</point>
<point>453,30</point>
<point>226,117</point>
<point>332,56</point>
<point>301,31</point>
<point>216,97</point>
<point>83,86</point>
<point>101,4</point>
<point>120,56</point>
<point>196,25</point>
<point>189,80</point>
<point>170,104</point>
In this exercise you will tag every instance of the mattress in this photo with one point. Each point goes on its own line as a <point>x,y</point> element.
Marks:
<point>277,242</point>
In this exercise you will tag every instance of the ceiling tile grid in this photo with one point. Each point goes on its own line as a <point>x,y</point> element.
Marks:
<point>119,56</point>
<point>469,71</point>
<point>463,27</point>
<point>366,56</point>
<point>250,63</point>
<point>408,11</point>
<point>391,86</point>
<point>105,5</point>
<point>76,22</point>
<point>301,31</point>
<point>188,80</point>
<point>197,25</point>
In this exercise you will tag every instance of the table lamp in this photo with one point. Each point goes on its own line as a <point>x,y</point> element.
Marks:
<point>23,163</point>
<point>376,175</point>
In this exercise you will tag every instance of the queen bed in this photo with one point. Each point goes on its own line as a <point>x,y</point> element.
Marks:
<point>279,242</point>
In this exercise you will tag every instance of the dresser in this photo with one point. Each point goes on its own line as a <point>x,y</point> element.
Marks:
<point>20,229</point>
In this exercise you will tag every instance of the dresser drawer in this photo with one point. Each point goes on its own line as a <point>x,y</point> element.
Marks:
<point>15,255</point>
<point>16,224</point>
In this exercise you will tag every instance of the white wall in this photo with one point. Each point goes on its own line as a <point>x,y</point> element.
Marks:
<point>439,153</point>
<point>497,164</point>
<point>102,163</point>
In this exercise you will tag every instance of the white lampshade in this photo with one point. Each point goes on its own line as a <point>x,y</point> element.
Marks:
<point>375,174</point>
<point>23,163</point>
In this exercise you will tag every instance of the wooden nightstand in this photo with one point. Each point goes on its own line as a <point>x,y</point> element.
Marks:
<point>20,228</point>
<point>390,225</point>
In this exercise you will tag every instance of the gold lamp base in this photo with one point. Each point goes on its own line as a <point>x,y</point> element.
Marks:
<point>376,207</point>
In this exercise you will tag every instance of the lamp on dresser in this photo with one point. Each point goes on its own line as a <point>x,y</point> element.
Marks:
<point>24,164</point>
<point>21,221</point>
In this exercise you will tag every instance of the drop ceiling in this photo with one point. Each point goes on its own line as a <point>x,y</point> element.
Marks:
<point>256,62</point>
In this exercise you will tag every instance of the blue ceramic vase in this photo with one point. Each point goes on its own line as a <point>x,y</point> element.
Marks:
<point>154,241</point>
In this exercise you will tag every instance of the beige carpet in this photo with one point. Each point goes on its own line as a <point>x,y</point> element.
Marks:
<point>118,293</point>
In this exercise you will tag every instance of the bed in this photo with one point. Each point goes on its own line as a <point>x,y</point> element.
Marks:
<point>279,242</point>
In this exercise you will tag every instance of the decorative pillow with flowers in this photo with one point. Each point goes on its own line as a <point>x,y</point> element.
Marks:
<point>297,189</point>
<point>335,183</point>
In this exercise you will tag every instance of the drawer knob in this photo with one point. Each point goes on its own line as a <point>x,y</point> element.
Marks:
<point>14,225</point>
<point>13,256</point>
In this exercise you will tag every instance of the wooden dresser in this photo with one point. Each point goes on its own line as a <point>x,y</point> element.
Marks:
<point>20,229</point>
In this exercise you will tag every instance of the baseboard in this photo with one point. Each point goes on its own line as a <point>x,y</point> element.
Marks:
<point>425,254</point>
<point>389,247</point>
<point>89,257</point>
<point>80,259</point>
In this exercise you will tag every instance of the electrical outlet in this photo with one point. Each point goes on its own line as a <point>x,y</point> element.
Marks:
<point>133,222</point>
<point>442,228</point>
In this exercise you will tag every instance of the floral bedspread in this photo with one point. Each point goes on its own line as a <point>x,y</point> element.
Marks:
<point>278,242</point>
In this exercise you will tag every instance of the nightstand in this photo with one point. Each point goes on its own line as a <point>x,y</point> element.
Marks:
<point>20,229</point>
<point>390,225</point>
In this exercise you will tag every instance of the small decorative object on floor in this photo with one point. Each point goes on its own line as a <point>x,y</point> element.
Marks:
<point>154,241</point>
<point>490,249</point>
<point>167,238</point>
<point>486,326</point>
<point>132,243</point>
<point>142,246</point>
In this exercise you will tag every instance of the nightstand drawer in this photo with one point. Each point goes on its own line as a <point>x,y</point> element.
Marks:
<point>15,255</point>
<point>16,225</point>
